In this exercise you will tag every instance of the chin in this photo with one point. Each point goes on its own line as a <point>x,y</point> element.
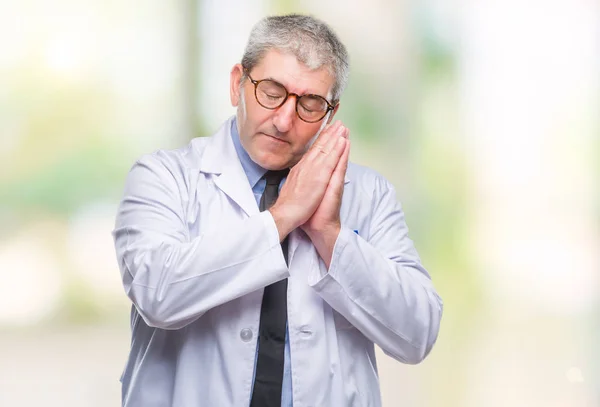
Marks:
<point>275,165</point>
<point>271,158</point>
<point>272,163</point>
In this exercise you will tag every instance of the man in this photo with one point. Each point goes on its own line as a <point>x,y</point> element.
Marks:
<point>255,286</point>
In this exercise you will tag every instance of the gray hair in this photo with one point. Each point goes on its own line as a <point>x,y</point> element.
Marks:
<point>310,40</point>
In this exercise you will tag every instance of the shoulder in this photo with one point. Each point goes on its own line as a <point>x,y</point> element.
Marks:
<point>367,179</point>
<point>199,153</point>
<point>174,163</point>
<point>183,157</point>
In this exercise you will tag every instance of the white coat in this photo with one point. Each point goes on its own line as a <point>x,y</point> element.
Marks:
<point>195,253</point>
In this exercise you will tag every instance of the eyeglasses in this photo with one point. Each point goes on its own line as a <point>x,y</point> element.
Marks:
<point>271,95</point>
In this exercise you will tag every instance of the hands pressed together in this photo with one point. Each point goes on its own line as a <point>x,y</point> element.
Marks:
<point>312,194</point>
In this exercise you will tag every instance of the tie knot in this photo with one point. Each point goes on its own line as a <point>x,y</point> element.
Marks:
<point>275,177</point>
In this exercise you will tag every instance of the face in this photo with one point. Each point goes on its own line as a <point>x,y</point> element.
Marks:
<point>277,139</point>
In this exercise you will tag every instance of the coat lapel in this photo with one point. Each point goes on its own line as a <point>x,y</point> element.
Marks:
<point>220,158</point>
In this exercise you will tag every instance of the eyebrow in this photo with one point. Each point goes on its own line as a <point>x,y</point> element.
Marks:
<point>270,78</point>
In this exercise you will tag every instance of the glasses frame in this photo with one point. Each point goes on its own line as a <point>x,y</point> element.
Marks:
<point>330,106</point>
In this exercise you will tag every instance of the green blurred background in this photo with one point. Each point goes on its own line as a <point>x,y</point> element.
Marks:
<point>483,114</point>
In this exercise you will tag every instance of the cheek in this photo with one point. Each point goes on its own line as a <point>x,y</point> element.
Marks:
<point>258,117</point>
<point>307,134</point>
<point>250,122</point>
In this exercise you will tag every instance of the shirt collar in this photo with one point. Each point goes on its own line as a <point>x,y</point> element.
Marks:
<point>253,171</point>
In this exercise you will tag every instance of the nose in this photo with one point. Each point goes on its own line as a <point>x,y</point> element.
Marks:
<point>285,115</point>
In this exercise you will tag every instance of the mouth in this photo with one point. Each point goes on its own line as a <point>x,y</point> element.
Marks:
<point>276,139</point>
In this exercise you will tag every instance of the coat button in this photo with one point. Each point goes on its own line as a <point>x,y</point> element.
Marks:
<point>246,334</point>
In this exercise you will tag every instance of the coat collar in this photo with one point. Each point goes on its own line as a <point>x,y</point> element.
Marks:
<point>220,158</point>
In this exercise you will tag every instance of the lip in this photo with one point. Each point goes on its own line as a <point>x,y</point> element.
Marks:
<point>274,138</point>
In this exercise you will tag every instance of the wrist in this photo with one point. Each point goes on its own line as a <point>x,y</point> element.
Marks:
<point>325,235</point>
<point>325,231</point>
<point>324,240</point>
<point>283,223</point>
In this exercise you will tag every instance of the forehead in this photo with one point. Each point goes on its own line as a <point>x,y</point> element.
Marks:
<point>294,75</point>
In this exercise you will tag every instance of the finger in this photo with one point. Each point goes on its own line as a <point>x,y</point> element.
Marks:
<point>333,140</point>
<point>339,174</point>
<point>330,129</point>
<point>320,152</point>
<point>326,135</point>
<point>322,165</point>
<point>331,160</point>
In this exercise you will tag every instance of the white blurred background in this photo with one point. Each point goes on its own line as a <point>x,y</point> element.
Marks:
<point>484,114</point>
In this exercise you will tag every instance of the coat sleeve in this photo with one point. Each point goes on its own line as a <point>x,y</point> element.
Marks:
<point>171,278</point>
<point>379,285</point>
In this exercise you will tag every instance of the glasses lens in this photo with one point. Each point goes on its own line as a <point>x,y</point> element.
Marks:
<point>270,94</point>
<point>312,107</point>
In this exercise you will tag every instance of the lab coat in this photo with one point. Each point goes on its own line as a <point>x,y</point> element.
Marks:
<point>195,254</point>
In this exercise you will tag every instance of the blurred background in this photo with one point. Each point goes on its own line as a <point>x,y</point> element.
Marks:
<point>484,114</point>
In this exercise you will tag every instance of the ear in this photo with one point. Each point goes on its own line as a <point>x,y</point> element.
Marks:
<point>234,84</point>
<point>335,109</point>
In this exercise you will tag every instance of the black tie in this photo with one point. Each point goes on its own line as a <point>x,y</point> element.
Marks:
<point>273,320</point>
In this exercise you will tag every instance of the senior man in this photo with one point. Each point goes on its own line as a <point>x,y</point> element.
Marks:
<point>262,266</point>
